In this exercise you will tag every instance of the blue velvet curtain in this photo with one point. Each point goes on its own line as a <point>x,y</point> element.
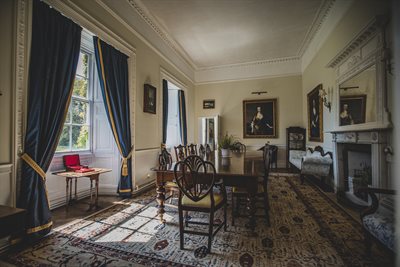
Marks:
<point>165,111</point>
<point>182,116</point>
<point>54,57</point>
<point>112,66</point>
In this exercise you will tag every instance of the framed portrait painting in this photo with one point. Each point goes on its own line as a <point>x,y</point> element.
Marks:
<point>149,99</point>
<point>260,118</point>
<point>352,109</point>
<point>315,115</point>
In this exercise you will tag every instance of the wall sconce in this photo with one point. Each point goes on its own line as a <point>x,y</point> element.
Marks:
<point>323,95</point>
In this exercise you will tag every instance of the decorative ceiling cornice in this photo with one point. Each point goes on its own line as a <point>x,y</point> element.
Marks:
<point>376,25</point>
<point>141,9</point>
<point>251,63</point>
<point>319,19</point>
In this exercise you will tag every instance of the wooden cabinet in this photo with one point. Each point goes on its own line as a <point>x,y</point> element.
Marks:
<point>295,140</point>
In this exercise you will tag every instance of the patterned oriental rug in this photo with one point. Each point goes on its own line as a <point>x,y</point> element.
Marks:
<point>307,229</point>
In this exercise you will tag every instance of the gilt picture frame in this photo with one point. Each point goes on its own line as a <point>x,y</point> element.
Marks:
<point>260,118</point>
<point>315,115</point>
<point>149,99</point>
<point>355,109</point>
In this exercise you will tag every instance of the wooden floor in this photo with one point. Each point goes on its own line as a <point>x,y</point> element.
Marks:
<point>78,210</point>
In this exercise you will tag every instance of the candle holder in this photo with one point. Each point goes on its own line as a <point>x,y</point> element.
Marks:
<point>323,95</point>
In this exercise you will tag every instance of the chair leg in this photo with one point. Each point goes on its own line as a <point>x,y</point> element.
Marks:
<point>171,195</point>
<point>225,211</point>
<point>181,227</point>
<point>368,242</point>
<point>233,210</point>
<point>210,231</point>
<point>266,208</point>
<point>186,216</point>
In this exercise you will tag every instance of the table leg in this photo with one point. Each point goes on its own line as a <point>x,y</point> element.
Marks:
<point>70,189</point>
<point>97,190</point>
<point>76,187</point>
<point>161,200</point>
<point>66,193</point>
<point>251,206</point>
<point>91,195</point>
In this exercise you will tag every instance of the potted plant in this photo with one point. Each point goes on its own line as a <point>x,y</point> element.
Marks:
<point>225,144</point>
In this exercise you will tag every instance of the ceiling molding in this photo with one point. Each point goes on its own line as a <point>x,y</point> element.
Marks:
<point>153,41</point>
<point>247,71</point>
<point>141,9</point>
<point>319,19</point>
<point>335,13</point>
<point>252,63</point>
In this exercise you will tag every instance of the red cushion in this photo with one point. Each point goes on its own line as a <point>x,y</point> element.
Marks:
<point>71,160</point>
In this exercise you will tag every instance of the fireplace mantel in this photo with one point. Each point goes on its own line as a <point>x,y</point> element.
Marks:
<point>365,136</point>
<point>377,139</point>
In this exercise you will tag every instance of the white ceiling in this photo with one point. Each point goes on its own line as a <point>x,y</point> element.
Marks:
<point>222,32</point>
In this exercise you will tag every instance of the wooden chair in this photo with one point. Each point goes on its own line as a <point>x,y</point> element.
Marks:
<point>165,160</point>
<point>191,149</point>
<point>196,180</point>
<point>262,191</point>
<point>239,147</point>
<point>202,151</point>
<point>208,149</point>
<point>378,220</point>
<point>180,152</point>
<point>274,156</point>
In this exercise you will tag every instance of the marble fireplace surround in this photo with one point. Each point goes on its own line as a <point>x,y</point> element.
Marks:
<point>378,139</point>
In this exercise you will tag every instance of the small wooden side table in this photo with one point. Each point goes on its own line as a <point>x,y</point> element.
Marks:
<point>93,177</point>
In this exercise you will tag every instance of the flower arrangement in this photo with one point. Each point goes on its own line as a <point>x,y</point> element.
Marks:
<point>226,142</point>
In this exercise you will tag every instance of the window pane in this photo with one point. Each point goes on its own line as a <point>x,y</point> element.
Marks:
<point>173,130</point>
<point>68,117</point>
<point>79,111</point>
<point>63,144</point>
<point>80,87</point>
<point>82,69</point>
<point>80,137</point>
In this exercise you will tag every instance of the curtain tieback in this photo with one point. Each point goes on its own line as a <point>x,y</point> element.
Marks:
<point>34,165</point>
<point>124,171</point>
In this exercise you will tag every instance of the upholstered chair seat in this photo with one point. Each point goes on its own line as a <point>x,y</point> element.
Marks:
<point>204,202</point>
<point>380,224</point>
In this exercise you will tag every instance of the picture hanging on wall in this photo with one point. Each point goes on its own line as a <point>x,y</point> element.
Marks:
<point>352,109</point>
<point>315,115</point>
<point>208,104</point>
<point>149,99</point>
<point>260,118</point>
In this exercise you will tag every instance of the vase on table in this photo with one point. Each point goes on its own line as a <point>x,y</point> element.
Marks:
<point>225,152</point>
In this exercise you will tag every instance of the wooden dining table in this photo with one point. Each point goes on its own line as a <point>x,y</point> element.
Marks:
<point>239,169</point>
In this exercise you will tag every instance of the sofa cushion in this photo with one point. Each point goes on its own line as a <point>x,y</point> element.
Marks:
<point>296,156</point>
<point>318,159</point>
<point>381,225</point>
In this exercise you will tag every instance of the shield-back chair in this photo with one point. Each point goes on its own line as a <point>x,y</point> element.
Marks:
<point>196,180</point>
